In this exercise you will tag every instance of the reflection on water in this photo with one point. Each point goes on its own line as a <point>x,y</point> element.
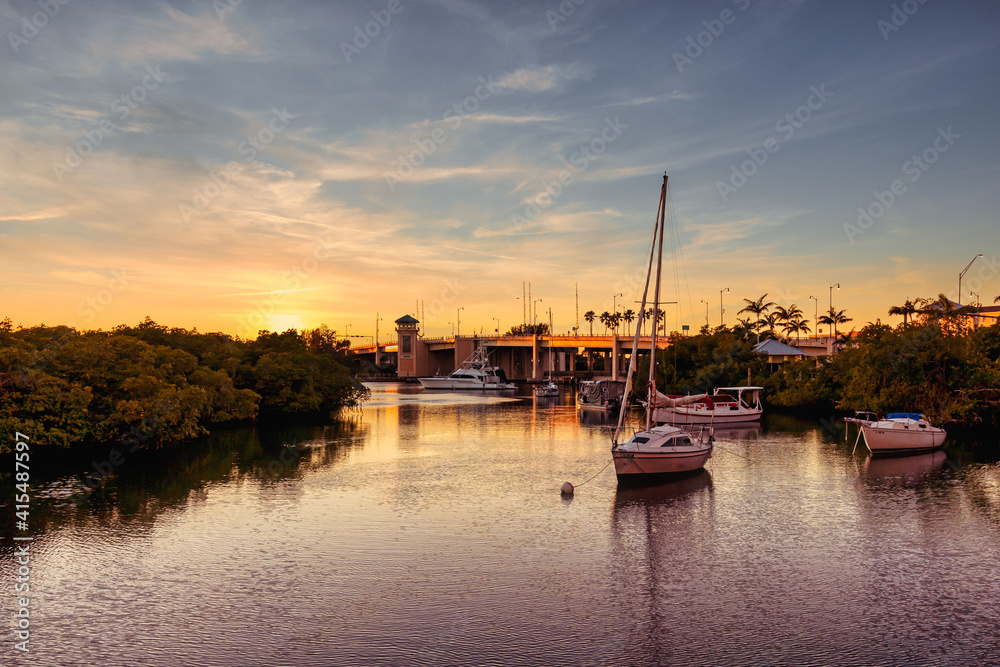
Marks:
<point>428,529</point>
<point>904,469</point>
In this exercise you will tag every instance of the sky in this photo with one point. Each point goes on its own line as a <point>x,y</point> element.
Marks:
<point>236,165</point>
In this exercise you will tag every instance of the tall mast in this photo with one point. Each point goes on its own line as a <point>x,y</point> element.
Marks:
<point>550,345</point>
<point>651,394</point>
<point>635,340</point>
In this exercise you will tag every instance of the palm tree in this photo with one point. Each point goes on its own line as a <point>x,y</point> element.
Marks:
<point>743,327</point>
<point>907,310</point>
<point>628,316</point>
<point>788,315</point>
<point>589,316</point>
<point>757,308</point>
<point>605,319</point>
<point>835,317</point>
<point>797,326</point>
<point>770,320</point>
<point>946,310</point>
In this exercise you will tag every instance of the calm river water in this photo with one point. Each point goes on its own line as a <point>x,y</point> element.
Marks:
<point>428,529</point>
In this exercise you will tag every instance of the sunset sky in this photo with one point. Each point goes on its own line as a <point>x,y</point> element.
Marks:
<point>241,165</point>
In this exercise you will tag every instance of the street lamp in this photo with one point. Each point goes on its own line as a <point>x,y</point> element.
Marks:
<point>458,316</point>
<point>837,285</point>
<point>534,313</point>
<point>963,273</point>
<point>706,312</point>
<point>498,325</point>
<point>816,314</point>
<point>614,307</point>
<point>347,331</point>
<point>722,311</point>
<point>452,329</point>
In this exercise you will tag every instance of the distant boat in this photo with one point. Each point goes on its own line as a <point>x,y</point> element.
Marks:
<point>726,405</point>
<point>548,389</point>
<point>902,434</point>
<point>655,452</point>
<point>604,394</point>
<point>476,372</point>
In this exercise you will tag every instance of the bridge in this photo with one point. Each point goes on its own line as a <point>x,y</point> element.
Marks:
<point>525,357</point>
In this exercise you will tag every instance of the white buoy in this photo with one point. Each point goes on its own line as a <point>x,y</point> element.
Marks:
<point>567,489</point>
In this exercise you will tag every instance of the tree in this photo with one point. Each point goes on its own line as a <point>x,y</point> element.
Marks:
<point>835,317</point>
<point>628,316</point>
<point>907,310</point>
<point>616,319</point>
<point>743,327</point>
<point>945,311</point>
<point>589,317</point>
<point>797,326</point>
<point>786,316</point>
<point>605,320</point>
<point>757,309</point>
<point>770,320</point>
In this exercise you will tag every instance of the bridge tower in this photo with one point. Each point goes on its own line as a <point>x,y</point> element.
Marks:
<point>411,355</point>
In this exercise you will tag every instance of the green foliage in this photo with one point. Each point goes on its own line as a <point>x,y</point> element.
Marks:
<point>936,365</point>
<point>540,329</point>
<point>152,386</point>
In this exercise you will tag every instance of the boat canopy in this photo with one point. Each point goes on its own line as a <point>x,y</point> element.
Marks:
<point>915,416</point>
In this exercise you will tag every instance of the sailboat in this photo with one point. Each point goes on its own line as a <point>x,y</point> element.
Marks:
<point>655,452</point>
<point>549,389</point>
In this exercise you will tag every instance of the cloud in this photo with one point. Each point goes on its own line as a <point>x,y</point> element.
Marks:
<point>538,79</point>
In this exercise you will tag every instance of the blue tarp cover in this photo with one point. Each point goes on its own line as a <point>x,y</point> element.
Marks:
<point>904,415</point>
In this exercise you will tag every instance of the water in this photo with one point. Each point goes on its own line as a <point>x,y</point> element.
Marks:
<point>429,530</point>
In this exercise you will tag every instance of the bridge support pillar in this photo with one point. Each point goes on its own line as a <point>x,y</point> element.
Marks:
<point>615,356</point>
<point>534,357</point>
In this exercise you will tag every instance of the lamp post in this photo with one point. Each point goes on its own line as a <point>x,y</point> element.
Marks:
<point>815,314</point>
<point>722,311</point>
<point>614,307</point>
<point>498,325</point>
<point>534,313</point>
<point>837,285</point>
<point>962,274</point>
<point>347,331</point>
<point>977,298</point>
<point>706,312</point>
<point>458,316</point>
<point>452,329</point>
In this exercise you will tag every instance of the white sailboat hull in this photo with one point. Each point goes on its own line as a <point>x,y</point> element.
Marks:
<point>659,452</point>
<point>454,383</point>
<point>893,440</point>
<point>636,466</point>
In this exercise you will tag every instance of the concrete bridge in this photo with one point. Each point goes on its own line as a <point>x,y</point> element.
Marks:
<point>523,358</point>
<point>526,358</point>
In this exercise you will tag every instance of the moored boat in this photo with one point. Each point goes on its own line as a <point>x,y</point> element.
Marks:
<point>476,372</point>
<point>654,453</point>
<point>902,434</point>
<point>726,405</point>
<point>603,394</point>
